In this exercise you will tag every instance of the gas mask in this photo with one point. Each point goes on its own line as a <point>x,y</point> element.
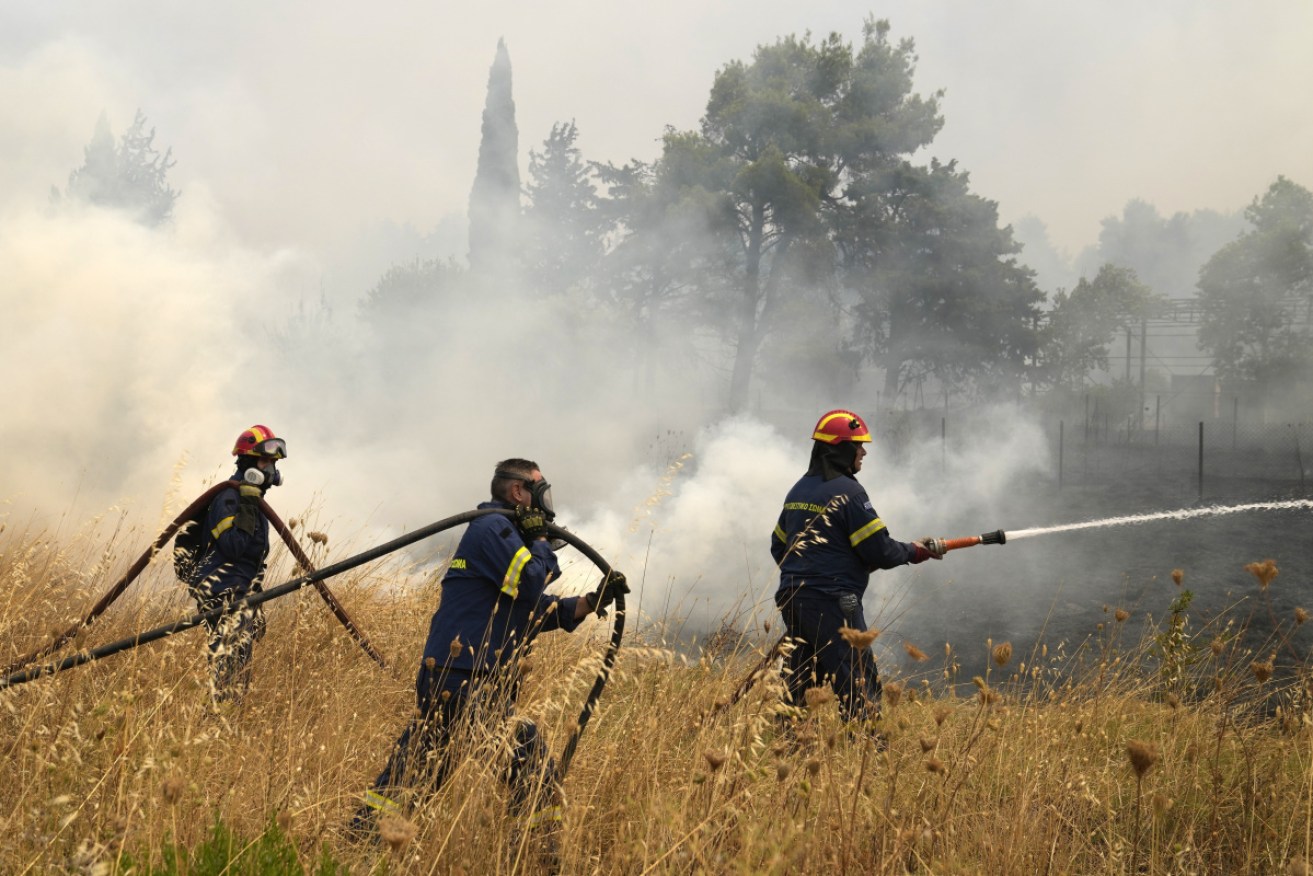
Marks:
<point>540,492</point>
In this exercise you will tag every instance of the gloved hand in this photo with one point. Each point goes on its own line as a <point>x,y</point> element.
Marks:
<point>252,483</point>
<point>531,522</point>
<point>933,547</point>
<point>606,592</point>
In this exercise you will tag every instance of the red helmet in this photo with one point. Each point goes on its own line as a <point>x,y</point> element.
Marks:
<point>837,426</point>
<point>260,441</point>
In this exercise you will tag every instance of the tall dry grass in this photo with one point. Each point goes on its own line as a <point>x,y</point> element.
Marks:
<point>1125,753</point>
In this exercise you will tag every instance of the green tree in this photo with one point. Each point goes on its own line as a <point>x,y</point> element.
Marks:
<point>663,255</point>
<point>130,175</point>
<point>563,225</point>
<point>1256,292</point>
<point>1083,323</point>
<point>495,198</point>
<point>782,139</point>
<point>940,290</point>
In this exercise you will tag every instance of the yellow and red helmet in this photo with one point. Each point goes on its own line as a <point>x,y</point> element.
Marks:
<point>838,426</point>
<point>260,441</point>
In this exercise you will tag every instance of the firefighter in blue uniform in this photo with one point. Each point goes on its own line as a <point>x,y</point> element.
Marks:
<point>493,604</point>
<point>232,564</point>
<point>827,542</point>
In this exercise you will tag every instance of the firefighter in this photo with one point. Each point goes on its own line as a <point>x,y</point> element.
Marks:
<point>493,604</point>
<point>232,562</point>
<point>827,542</point>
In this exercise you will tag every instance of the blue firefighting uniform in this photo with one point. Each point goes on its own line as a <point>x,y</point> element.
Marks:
<point>826,543</point>
<point>229,570</point>
<point>493,604</point>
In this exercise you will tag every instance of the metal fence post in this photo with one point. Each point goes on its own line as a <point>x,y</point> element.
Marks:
<point>1235,421</point>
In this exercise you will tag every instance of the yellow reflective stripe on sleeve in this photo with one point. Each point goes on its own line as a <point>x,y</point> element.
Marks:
<point>510,585</point>
<point>779,533</point>
<point>866,532</point>
<point>224,525</point>
<point>550,813</point>
<point>375,800</point>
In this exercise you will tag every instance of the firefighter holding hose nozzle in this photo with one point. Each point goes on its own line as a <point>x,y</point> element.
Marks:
<point>493,604</point>
<point>230,547</point>
<point>827,542</point>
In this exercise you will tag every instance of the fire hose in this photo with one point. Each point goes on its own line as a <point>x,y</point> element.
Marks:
<point>189,513</point>
<point>998,536</point>
<point>315,577</point>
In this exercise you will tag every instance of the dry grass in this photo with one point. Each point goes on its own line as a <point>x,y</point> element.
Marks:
<point>1054,763</point>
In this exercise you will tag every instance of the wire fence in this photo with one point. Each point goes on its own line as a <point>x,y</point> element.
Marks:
<point>1205,448</point>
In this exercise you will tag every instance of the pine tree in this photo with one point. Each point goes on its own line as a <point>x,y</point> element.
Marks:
<point>128,176</point>
<point>495,199</point>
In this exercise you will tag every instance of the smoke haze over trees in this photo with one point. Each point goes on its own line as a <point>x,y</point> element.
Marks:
<point>804,233</point>
<point>129,175</point>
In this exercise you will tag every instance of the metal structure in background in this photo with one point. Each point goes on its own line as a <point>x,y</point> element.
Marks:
<point>1207,444</point>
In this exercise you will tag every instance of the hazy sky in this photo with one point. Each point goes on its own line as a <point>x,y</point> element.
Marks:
<point>306,120</point>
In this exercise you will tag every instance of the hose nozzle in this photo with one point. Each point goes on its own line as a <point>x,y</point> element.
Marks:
<point>998,536</point>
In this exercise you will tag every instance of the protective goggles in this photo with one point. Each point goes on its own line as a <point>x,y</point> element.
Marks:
<point>539,491</point>
<point>270,448</point>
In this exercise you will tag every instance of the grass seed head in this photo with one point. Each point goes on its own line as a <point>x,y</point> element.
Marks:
<point>454,648</point>
<point>171,789</point>
<point>860,640</point>
<point>1002,653</point>
<point>929,745</point>
<point>1216,646</point>
<point>1178,575</point>
<point>817,697</point>
<point>1143,756</point>
<point>1262,670</point>
<point>941,715</point>
<point>317,537</point>
<point>715,759</point>
<point>935,765</point>
<point>1300,616</point>
<point>915,653</point>
<point>397,832</point>
<point>893,693</point>
<point>1264,572</point>
<point>284,820</point>
<point>1121,615</point>
<point>1173,700</point>
<point>783,769</point>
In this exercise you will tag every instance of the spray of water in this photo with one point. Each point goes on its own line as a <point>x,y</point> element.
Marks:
<point>1182,514</point>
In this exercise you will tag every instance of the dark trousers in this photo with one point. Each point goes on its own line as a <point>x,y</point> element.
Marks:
<point>423,755</point>
<point>821,656</point>
<point>231,636</point>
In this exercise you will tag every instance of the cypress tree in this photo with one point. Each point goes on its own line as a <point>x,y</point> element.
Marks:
<point>495,199</point>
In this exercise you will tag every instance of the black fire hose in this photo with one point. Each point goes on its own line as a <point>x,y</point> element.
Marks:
<point>161,540</point>
<point>608,661</point>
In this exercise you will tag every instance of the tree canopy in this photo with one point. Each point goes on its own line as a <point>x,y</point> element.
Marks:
<point>129,175</point>
<point>1253,290</point>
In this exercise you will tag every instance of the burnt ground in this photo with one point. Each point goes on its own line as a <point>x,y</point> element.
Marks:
<point>1059,587</point>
